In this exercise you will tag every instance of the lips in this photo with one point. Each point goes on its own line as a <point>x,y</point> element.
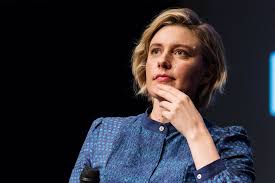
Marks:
<point>163,78</point>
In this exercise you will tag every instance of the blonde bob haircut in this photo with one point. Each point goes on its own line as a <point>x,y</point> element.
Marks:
<point>211,50</point>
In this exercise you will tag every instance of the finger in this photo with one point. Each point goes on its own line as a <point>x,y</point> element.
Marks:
<point>165,95</point>
<point>171,90</point>
<point>166,114</point>
<point>166,105</point>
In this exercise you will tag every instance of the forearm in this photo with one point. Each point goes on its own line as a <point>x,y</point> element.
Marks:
<point>202,147</point>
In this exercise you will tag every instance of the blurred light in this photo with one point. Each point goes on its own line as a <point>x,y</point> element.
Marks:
<point>272,84</point>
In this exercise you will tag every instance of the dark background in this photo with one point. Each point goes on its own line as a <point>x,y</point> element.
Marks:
<point>65,63</point>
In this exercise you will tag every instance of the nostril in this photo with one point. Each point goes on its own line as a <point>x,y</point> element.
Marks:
<point>164,64</point>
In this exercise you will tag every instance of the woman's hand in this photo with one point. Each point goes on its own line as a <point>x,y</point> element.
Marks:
<point>183,115</point>
<point>180,111</point>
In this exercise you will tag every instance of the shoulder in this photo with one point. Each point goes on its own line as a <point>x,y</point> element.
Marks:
<point>112,123</point>
<point>106,129</point>
<point>219,132</point>
<point>230,136</point>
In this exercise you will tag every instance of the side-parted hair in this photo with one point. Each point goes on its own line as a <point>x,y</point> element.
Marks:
<point>211,48</point>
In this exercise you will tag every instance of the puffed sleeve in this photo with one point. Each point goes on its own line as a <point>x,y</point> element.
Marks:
<point>86,151</point>
<point>236,162</point>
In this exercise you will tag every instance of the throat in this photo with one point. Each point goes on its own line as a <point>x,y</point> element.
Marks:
<point>156,113</point>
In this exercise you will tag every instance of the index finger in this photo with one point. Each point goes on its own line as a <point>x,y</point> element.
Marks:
<point>174,91</point>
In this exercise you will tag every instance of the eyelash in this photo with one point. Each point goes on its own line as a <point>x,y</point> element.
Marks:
<point>185,53</point>
<point>153,50</point>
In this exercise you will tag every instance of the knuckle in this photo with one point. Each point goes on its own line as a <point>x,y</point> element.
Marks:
<point>185,98</point>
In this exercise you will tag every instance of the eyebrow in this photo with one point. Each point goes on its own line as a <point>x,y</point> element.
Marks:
<point>192,48</point>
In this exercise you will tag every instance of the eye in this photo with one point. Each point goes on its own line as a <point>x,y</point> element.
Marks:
<point>182,53</point>
<point>155,51</point>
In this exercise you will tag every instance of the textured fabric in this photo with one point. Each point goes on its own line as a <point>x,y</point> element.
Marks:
<point>137,149</point>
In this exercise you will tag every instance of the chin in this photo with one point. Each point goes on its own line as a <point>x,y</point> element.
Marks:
<point>151,94</point>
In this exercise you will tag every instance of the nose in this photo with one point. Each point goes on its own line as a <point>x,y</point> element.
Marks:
<point>164,62</point>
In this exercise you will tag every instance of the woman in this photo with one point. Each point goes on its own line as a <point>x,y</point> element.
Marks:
<point>179,65</point>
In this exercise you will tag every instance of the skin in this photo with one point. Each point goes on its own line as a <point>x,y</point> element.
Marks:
<point>174,71</point>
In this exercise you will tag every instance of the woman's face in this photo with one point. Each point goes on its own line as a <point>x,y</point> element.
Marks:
<point>174,59</point>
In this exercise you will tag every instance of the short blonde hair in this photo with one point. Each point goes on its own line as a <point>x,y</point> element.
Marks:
<point>212,51</point>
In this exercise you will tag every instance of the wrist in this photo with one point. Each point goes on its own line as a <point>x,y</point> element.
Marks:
<point>202,147</point>
<point>197,133</point>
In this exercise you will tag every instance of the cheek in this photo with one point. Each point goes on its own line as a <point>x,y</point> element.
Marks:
<point>149,76</point>
<point>148,71</point>
<point>189,76</point>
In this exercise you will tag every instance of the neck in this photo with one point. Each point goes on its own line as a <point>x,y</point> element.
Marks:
<point>156,112</point>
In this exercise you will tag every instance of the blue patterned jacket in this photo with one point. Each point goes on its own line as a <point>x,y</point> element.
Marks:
<point>137,149</point>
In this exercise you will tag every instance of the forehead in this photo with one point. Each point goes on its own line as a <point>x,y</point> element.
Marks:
<point>175,34</point>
